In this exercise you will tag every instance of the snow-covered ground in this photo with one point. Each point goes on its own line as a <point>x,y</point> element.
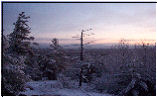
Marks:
<point>54,88</point>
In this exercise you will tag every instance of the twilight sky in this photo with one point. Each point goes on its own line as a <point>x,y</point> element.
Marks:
<point>110,21</point>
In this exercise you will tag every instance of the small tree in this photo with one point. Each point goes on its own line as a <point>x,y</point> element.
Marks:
<point>56,60</point>
<point>58,54</point>
<point>19,39</point>
<point>55,43</point>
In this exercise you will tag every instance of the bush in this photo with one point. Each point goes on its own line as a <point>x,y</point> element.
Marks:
<point>14,78</point>
<point>134,76</point>
<point>13,81</point>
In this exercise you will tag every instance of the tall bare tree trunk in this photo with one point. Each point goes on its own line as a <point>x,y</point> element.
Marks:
<point>81,53</point>
<point>81,58</point>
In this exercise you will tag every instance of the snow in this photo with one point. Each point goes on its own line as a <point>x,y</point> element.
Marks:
<point>54,88</point>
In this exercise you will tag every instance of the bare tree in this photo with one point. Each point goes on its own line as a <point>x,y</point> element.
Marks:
<point>81,38</point>
<point>82,49</point>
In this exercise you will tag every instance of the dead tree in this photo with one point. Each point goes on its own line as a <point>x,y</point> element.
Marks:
<point>82,43</point>
<point>81,53</point>
<point>82,50</point>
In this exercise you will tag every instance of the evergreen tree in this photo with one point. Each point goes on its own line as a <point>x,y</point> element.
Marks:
<point>58,54</point>
<point>13,79</point>
<point>19,39</point>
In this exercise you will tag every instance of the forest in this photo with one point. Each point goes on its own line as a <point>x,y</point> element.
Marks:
<point>29,70</point>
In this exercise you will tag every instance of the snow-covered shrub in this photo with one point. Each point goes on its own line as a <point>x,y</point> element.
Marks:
<point>32,67</point>
<point>54,61</point>
<point>49,69</point>
<point>14,78</point>
<point>64,80</point>
<point>140,83</point>
<point>67,82</point>
<point>58,55</point>
<point>107,83</point>
<point>73,73</point>
<point>132,71</point>
<point>88,70</point>
<point>130,81</point>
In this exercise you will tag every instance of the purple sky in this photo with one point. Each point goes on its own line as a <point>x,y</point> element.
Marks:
<point>110,21</point>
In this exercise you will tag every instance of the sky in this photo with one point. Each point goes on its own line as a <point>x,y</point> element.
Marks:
<point>110,22</point>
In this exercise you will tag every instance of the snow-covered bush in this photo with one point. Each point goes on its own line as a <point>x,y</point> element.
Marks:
<point>107,83</point>
<point>67,82</point>
<point>139,86</point>
<point>54,61</point>
<point>13,78</point>
<point>132,76</point>
<point>58,55</point>
<point>32,67</point>
<point>64,80</point>
<point>73,73</point>
<point>140,82</point>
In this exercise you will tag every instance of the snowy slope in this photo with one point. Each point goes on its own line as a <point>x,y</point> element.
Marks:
<point>54,88</point>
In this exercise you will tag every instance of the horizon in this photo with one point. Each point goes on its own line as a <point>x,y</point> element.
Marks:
<point>110,22</point>
<point>94,46</point>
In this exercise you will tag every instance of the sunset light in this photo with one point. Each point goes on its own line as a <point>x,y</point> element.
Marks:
<point>110,22</point>
<point>78,48</point>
